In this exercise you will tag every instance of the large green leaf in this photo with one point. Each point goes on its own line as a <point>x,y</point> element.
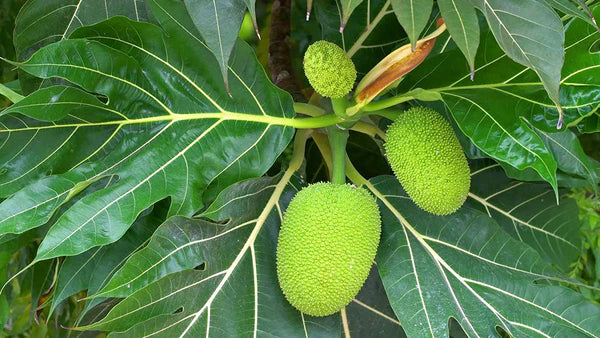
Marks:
<point>196,276</point>
<point>42,22</point>
<point>427,266</point>
<point>167,129</point>
<point>92,269</point>
<point>529,213</point>
<point>501,110</point>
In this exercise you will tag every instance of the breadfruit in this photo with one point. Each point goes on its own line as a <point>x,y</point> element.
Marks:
<point>328,240</point>
<point>428,160</point>
<point>328,69</point>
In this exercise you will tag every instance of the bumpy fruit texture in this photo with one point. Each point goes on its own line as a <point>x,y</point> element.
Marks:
<point>328,240</point>
<point>428,160</point>
<point>329,70</point>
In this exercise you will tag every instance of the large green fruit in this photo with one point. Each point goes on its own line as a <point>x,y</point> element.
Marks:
<point>328,240</point>
<point>428,160</point>
<point>328,69</point>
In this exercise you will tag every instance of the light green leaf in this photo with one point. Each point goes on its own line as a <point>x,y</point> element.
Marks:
<point>462,23</point>
<point>413,15</point>
<point>426,263</point>
<point>10,94</point>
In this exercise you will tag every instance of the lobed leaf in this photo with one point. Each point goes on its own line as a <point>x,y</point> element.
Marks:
<point>42,22</point>
<point>233,292</point>
<point>167,129</point>
<point>426,263</point>
<point>529,213</point>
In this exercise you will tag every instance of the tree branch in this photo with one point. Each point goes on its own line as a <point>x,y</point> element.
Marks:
<point>280,60</point>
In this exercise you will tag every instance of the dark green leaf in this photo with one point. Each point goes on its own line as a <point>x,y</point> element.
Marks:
<point>348,7</point>
<point>232,292</point>
<point>162,135</point>
<point>427,266</point>
<point>413,15</point>
<point>531,33</point>
<point>462,23</point>
<point>42,22</point>
<point>219,24</point>
<point>92,269</point>
<point>529,213</point>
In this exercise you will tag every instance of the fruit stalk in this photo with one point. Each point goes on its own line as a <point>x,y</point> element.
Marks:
<point>338,137</point>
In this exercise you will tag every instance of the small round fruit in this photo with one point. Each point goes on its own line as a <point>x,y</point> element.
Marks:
<point>329,70</point>
<point>428,160</point>
<point>328,240</point>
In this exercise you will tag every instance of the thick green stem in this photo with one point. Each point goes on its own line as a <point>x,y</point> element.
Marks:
<point>387,113</point>
<point>339,106</point>
<point>308,109</point>
<point>386,103</point>
<point>338,138</point>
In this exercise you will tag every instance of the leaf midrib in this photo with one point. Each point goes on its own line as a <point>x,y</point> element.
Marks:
<point>178,117</point>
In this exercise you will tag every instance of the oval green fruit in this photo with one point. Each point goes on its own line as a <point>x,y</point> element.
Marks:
<point>328,240</point>
<point>428,160</point>
<point>328,69</point>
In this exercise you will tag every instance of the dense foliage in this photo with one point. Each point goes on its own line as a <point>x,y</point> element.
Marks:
<point>148,155</point>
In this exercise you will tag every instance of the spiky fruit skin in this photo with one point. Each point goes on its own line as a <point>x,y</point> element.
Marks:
<point>328,240</point>
<point>329,70</point>
<point>428,160</point>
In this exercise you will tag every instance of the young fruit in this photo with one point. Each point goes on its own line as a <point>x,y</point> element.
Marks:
<point>329,70</point>
<point>428,160</point>
<point>328,240</point>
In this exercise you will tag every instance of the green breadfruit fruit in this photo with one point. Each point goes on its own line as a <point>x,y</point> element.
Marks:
<point>328,240</point>
<point>428,160</point>
<point>329,70</point>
